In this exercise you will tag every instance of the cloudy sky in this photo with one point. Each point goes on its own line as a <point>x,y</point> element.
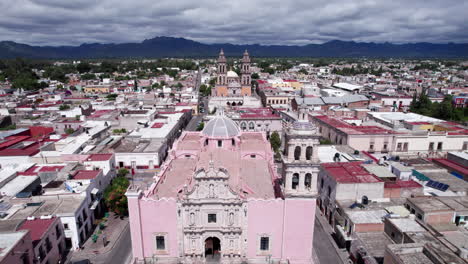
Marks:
<point>72,22</point>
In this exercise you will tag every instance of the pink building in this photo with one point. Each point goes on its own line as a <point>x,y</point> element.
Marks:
<point>218,198</point>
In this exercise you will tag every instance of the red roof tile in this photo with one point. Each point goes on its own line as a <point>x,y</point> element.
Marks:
<point>349,172</point>
<point>402,184</point>
<point>37,227</point>
<point>157,125</point>
<point>86,174</point>
<point>99,157</point>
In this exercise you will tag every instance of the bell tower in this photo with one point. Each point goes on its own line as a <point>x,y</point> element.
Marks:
<point>246,75</point>
<point>300,161</point>
<point>222,69</point>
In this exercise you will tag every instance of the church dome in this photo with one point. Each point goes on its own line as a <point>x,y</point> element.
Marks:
<point>232,74</point>
<point>221,126</point>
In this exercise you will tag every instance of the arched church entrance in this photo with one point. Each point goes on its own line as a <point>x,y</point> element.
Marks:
<point>212,248</point>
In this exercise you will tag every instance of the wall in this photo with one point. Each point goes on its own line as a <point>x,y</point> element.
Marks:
<point>299,231</point>
<point>290,236</point>
<point>25,245</point>
<point>265,217</point>
<point>158,216</point>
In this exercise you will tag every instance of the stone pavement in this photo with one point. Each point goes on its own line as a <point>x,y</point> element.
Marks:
<point>112,232</point>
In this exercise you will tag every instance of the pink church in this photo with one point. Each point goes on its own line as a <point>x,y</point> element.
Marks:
<point>220,199</point>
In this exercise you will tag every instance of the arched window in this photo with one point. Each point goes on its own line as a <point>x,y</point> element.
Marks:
<point>243,126</point>
<point>329,191</point>
<point>308,181</point>
<point>295,181</point>
<point>309,153</point>
<point>297,153</point>
<point>251,126</point>
<point>233,142</point>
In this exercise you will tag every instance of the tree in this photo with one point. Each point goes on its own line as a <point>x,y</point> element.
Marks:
<point>64,107</point>
<point>114,195</point>
<point>255,76</point>
<point>200,126</point>
<point>122,172</point>
<point>83,67</point>
<point>69,131</point>
<point>303,71</point>
<point>275,141</point>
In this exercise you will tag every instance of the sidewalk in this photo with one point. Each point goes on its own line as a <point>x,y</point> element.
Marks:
<point>329,230</point>
<point>114,228</point>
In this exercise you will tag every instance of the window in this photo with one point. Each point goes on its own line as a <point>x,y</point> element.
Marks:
<point>65,226</point>
<point>371,147</point>
<point>385,146</point>
<point>405,146</point>
<point>243,126</point>
<point>233,142</point>
<point>57,231</point>
<point>251,126</point>
<point>419,216</point>
<point>439,146</point>
<point>220,143</point>
<point>253,156</point>
<point>431,146</point>
<point>295,181</point>
<point>309,153</point>
<point>211,218</point>
<point>264,243</point>
<point>465,146</point>
<point>297,153</point>
<point>160,243</point>
<point>399,147</point>
<point>321,183</point>
<point>308,181</point>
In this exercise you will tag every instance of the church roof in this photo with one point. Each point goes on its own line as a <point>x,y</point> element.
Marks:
<point>221,127</point>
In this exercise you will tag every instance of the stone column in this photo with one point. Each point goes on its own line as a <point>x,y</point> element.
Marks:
<point>291,152</point>
<point>301,181</point>
<point>288,181</point>
<point>303,152</point>
<point>315,158</point>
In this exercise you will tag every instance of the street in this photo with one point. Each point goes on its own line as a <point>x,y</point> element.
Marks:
<point>323,243</point>
<point>122,251</point>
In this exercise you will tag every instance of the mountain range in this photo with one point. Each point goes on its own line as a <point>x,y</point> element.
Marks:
<point>180,47</point>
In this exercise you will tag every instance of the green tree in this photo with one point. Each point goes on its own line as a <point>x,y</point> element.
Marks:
<point>69,131</point>
<point>114,195</point>
<point>275,141</point>
<point>122,172</point>
<point>83,67</point>
<point>255,76</point>
<point>64,107</point>
<point>200,126</point>
<point>303,71</point>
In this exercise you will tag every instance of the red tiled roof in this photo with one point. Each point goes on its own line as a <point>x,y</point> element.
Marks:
<point>452,166</point>
<point>353,130</point>
<point>40,131</point>
<point>99,157</point>
<point>402,184</point>
<point>37,227</point>
<point>157,125</point>
<point>86,174</point>
<point>349,172</point>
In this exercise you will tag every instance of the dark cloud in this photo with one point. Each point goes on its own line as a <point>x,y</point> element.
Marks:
<point>58,22</point>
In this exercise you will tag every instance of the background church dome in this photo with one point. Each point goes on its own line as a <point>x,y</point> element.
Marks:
<point>221,126</point>
<point>232,74</point>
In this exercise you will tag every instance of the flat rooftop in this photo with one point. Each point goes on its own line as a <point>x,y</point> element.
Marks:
<point>349,172</point>
<point>9,241</point>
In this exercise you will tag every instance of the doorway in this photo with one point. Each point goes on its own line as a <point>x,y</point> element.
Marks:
<point>212,247</point>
